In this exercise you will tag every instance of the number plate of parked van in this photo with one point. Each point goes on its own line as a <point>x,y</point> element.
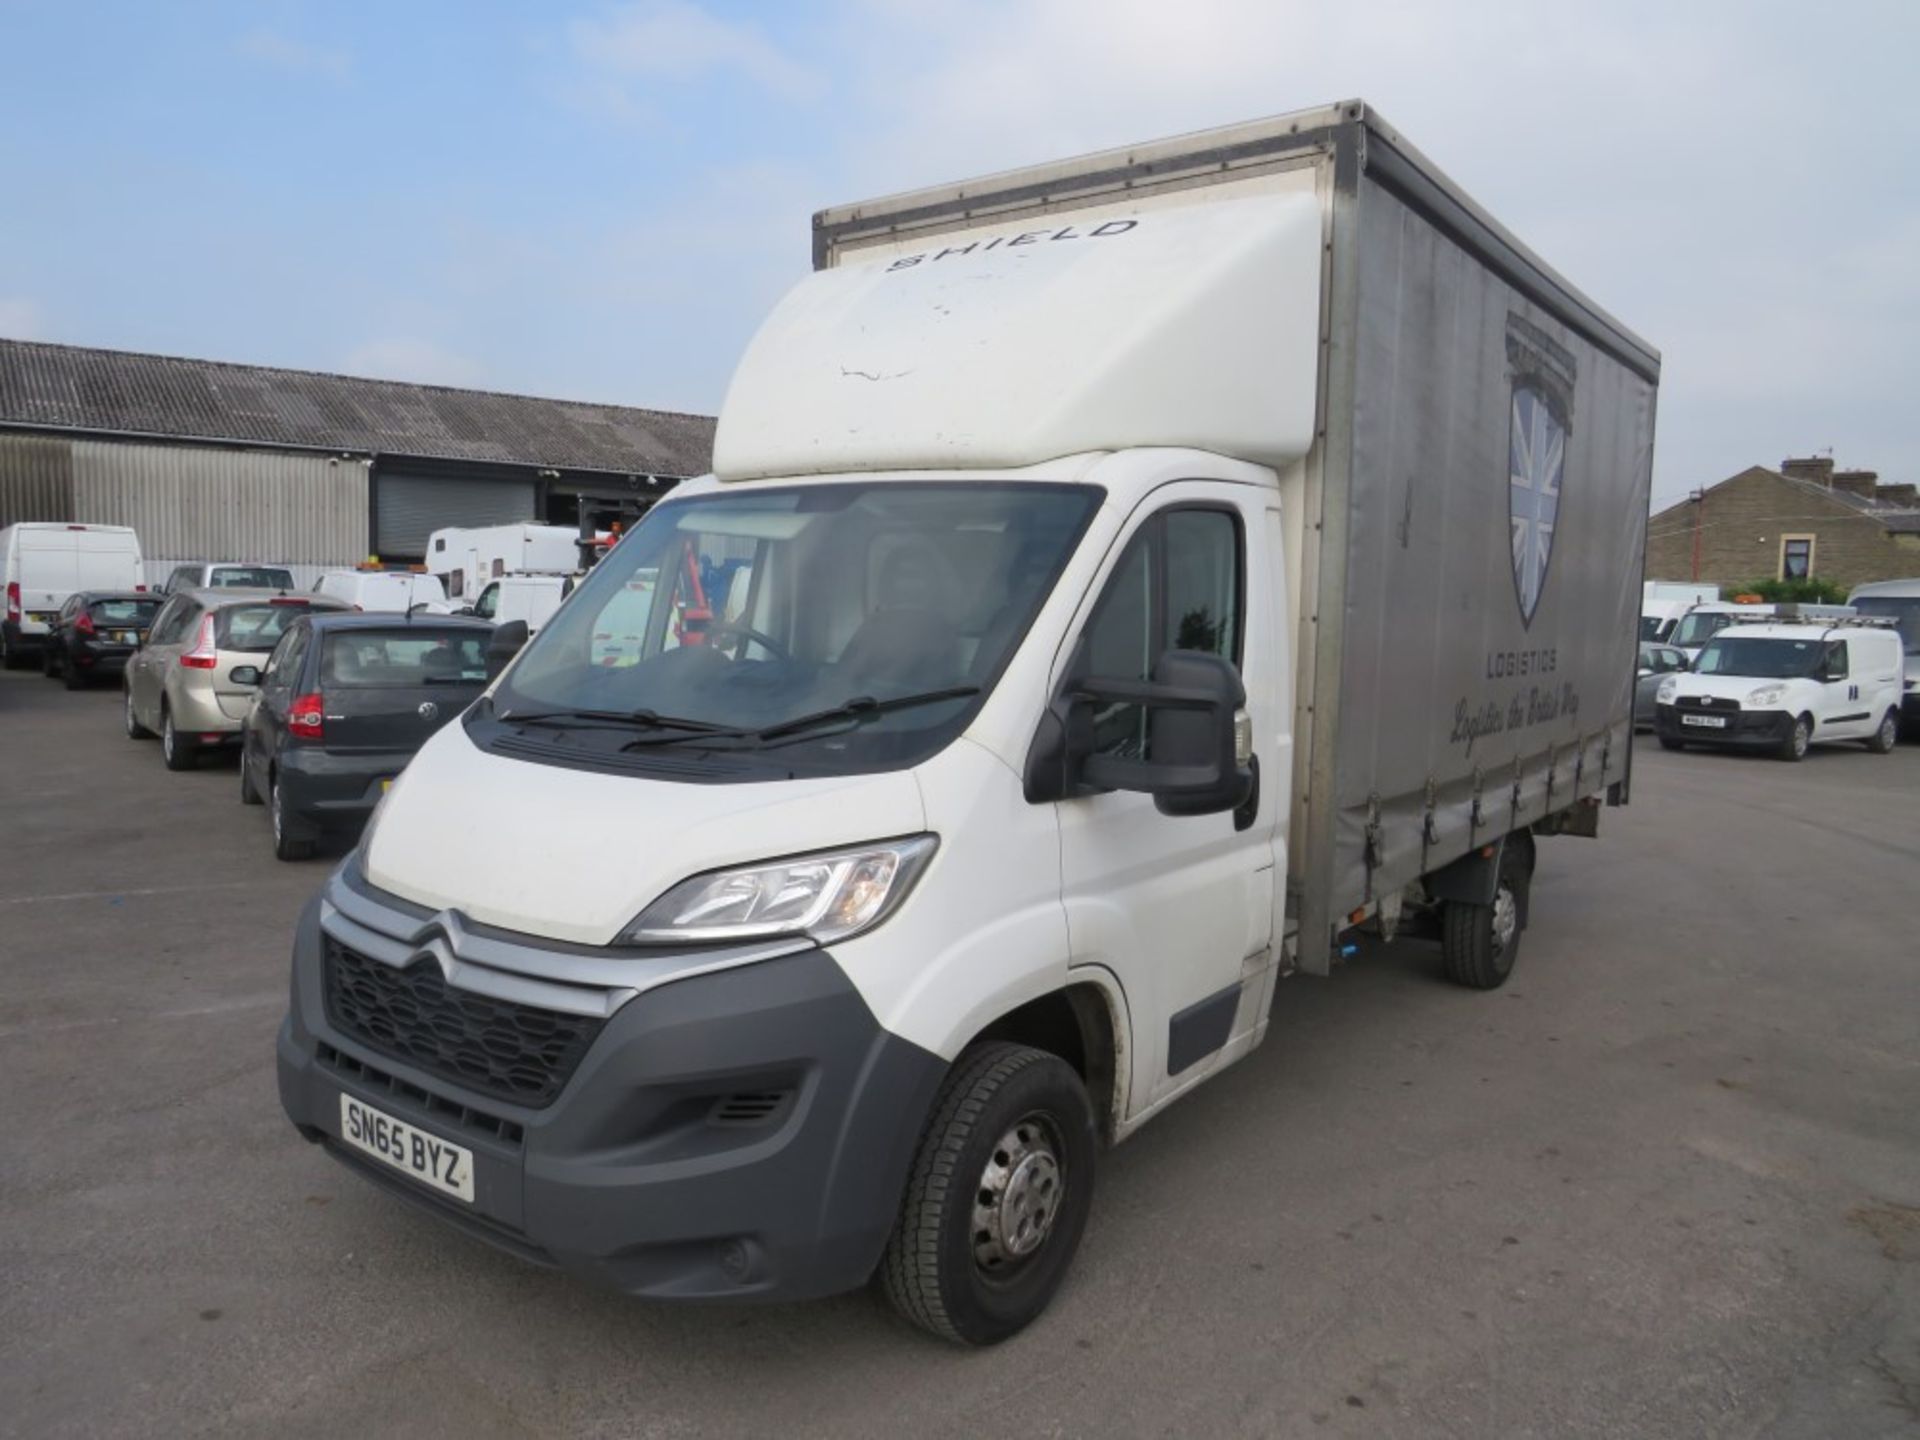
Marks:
<point>445,1166</point>
<point>1709,722</point>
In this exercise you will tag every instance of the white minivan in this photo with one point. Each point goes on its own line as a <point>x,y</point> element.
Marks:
<point>1786,685</point>
<point>400,591</point>
<point>42,563</point>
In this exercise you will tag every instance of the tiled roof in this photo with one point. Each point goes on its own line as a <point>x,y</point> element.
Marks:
<point>1904,519</point>
<point>118,392</point>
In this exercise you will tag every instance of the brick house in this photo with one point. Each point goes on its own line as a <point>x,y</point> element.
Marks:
<point>1804,519</point>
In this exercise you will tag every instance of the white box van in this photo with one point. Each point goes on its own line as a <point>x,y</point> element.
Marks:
<point>1898,601</point>
<point>466,559</point>
<point>42,563</point>
<point>1119,583</point>
<point>1786,685</point>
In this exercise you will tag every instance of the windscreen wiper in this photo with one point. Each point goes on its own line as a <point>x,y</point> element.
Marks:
<point>644,719</point>
<point>856,710</point>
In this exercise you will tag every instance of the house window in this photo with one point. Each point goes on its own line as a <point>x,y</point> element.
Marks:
<point>1796,557</point>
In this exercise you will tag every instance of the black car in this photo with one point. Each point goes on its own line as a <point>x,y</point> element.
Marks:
<point>95,633</point>
<point>345,700</point>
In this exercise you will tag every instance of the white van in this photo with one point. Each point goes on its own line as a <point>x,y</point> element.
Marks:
<point>1898,601</point>
<point>467,558</point>
<point>531,599</point>
<point>397,590</point>
<point>1786,685</point>
<point>42,563</point>
<point>937,792</point>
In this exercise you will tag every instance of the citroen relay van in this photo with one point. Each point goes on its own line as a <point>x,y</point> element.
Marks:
<point>42,564</point>
<point>1119,585</point>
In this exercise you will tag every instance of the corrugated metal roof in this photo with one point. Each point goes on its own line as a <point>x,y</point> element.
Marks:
<point>119,392</point>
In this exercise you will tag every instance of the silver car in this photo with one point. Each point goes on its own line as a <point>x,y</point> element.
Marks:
<point>1656,663</point>
<point>179,684</point>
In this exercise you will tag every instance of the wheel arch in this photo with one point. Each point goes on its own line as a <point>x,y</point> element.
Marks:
<point>1085,1024</point>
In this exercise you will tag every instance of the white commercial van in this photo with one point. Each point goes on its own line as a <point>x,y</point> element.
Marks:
<point>1898,601</point>
<point>41,564</point>
<point>397,590</point>
<point>1120,582</point>
<point>466,559</point>
<point>1786,685</point>
<point>530,599</point>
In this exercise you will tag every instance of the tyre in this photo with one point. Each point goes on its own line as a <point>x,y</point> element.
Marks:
<point>248,795</point>
<point>135,730</point>
<point>998,1197</point>
<point>1887,736</point>
<point>10,656</point>
<point>1667,743</point>
<point>175,748</point>
<point>1480,943</point>
<point>1794,747</point>
<point>284,847</point>
<point>75,679</point>
<point>47,666</point>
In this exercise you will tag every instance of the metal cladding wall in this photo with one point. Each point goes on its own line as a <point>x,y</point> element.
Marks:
<point>411,506</point>
<point>36,478</point>
<point>1501,463</point>
<point>193,502</point>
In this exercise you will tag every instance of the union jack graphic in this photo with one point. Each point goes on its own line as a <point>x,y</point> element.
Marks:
<point>1536,460</point>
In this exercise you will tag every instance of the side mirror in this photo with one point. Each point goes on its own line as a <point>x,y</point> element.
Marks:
<point>503,645</point>
<point>1192,766</point>
<point>1644,672</point>
<point>244,675</point>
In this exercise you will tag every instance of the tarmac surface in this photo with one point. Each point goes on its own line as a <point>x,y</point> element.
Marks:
<point>1666,1182</point>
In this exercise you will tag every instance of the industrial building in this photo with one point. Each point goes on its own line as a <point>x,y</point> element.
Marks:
<point>1804,520</point>
<point>214,461</point>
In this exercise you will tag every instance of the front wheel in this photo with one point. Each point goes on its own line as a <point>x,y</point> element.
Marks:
<point>1794,747</point>
<point>1887,736</point>
<point>999,1194</point>
<point>1480,943</point>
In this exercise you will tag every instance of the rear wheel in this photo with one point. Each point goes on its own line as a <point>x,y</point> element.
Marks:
<point>76,678</point>
<point>175,748</point>
<point>284,847</point>
<point>999,1194</point>
<point>47,666</point>
<point>1480,943</point>
<point>248,795</point>
<point>1794,747</point>
<point>135,730</point>
<point>1887,736</point>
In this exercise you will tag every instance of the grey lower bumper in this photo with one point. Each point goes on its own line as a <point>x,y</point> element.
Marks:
<point>742,1133</point>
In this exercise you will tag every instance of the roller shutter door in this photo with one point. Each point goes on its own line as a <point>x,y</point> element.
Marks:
<point>411,507</point>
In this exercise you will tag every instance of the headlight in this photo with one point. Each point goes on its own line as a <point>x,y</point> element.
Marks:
<point>1664,695</point>
<point>825,897</point>
<point>1766,695</point>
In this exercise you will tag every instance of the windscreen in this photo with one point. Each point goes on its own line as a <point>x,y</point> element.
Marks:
<point>134,611</point>
<point>250,577</point>
<point>1655,627</point>
<point>891,604</point>
<point>1904,610</point>
<point>402,659</point>
<point>1701,626</point>
<point>1763,659</point>
<point>255,629</point>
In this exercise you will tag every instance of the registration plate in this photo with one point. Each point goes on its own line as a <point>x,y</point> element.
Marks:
<point>43,617</point>
<point>123,637</point>
<point>386,785</point>
<point>439,1163</point>
<point>1707,722</point>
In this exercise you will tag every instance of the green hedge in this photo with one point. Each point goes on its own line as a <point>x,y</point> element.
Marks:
<point>1813,591</point>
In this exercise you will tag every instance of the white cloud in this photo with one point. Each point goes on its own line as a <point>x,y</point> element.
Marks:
<point>296,57</point>
<point>673,42</point>
<point>19,318</point>
<point>407,358</point>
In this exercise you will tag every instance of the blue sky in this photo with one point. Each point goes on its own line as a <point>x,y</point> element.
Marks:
<point>599,200</point>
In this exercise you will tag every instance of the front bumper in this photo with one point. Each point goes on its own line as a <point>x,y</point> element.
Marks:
<point>645,1171</point>
<point>1752,729</point>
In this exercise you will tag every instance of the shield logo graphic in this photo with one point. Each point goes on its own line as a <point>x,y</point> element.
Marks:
<point>1539,425</point>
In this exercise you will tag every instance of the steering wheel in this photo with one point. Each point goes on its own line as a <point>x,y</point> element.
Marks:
<point>747,632</point>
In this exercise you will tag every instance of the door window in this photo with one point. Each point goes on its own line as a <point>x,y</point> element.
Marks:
<point>1178,586</point>
<point>173,621</point>
<point>1837,660</point>
<point>489,602</point>
<point>284,665</point>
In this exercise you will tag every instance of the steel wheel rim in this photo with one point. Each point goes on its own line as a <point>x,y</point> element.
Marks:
<point>1505,921</point>
<point>166,736</point>
<point>1887,729</point>
<point>1019,1195</point>
<point>273,810</point>
<point>1800,737</point>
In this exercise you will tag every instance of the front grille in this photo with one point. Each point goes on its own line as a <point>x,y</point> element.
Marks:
<point>1706,702</point>
<point>516,1052</point>
<point>372,1077</point>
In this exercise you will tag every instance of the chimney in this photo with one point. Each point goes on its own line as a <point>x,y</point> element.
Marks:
<point>1900,496</point>
<point>1856,482</point>
<point>1817,468</point>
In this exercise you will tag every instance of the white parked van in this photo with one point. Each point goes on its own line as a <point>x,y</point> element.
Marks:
<point>466,559</point>
<point>41,564</point>
<point>1786,685</point>
<point>1119,582</point>
<point>397,590</point>
<point>530,599</point>
<point>1899,602</point>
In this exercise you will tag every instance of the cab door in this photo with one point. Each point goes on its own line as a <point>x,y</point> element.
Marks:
<point>1180,909</point>
<point>1845,712</point>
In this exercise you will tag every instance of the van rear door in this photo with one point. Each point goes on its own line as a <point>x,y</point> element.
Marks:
<point>48,574</point>
<point>389,689</point>
<point>107,560</point>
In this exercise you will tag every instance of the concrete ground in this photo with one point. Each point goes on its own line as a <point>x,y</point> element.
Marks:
<point>1666,1183</point>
